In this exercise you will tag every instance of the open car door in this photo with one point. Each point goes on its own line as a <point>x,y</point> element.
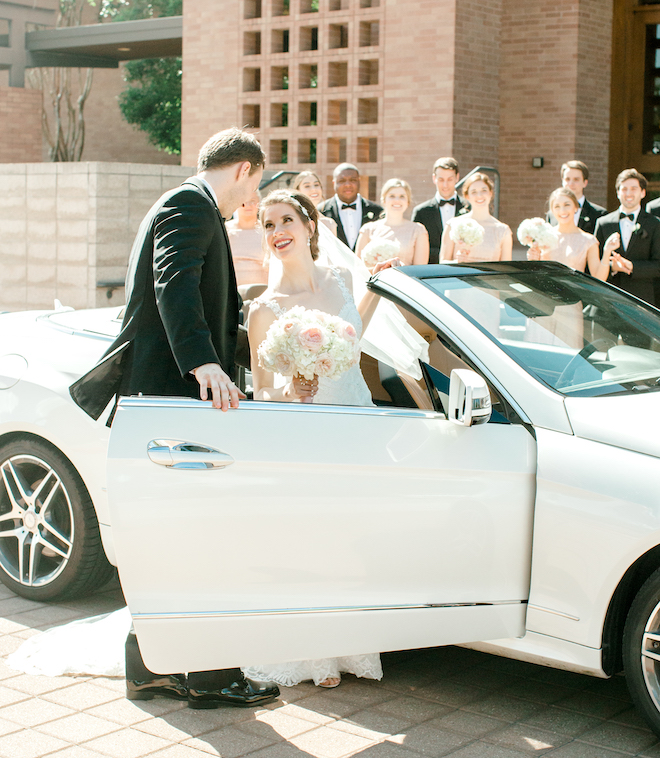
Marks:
<point>283,531</point>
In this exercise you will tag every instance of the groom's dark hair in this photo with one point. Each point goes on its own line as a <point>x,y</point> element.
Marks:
<point>229,147</point>
<point>630,173</point>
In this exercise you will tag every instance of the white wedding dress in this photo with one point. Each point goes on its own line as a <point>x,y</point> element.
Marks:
<point>350,388</point>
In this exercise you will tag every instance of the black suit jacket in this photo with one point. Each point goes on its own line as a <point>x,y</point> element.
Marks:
<point>370,212</point>
<point>654,207</point>
<point>643,250</point>
<point>429,215</point>
<point>589,215</point>
<point>182,304</point>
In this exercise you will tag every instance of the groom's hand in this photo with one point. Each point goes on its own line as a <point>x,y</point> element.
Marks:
<point>223,391</point>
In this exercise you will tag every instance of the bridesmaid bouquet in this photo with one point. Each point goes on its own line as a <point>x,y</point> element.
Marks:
<point>535,232</point>
<point>466,231</point>
<point>379,250</point>
<point>309,343</point>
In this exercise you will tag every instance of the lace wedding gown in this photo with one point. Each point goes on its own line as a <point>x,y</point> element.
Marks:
<point>349,389</point>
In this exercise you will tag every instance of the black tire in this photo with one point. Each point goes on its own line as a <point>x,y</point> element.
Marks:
<point>50,545</point>
<point>641,651</point>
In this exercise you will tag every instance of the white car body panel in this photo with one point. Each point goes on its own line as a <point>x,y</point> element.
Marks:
<point>337,510</point>
<point>597,511</point>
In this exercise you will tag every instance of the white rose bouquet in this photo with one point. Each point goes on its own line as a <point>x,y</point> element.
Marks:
<point>309,343</point>
<point>536,232</point>
<point>379,250</point>
<point>466,231</point>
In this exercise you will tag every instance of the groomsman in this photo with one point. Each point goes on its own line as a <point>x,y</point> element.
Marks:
<point>636,264</point>
<point>446,204</point>
<point>347,207</point>
<point>575,177</point>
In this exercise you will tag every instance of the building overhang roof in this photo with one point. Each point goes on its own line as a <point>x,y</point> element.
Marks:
<point>104,45</point>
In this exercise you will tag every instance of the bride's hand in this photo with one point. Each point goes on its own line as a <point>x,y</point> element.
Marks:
<point>391,263</point>
<point>303,389</point>
<point>534,253</point>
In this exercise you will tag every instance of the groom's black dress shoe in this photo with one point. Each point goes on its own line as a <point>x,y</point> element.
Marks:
<point>243,692</point>
<point>172,686</point>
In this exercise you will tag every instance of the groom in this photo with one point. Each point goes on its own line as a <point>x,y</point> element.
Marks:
<point>178,338</point>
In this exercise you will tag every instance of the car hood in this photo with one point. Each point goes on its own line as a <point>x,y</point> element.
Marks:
<point>626,421</point>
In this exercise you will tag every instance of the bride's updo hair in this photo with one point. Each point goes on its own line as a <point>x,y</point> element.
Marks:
<point>563,191</point>
<point>478,177</point>
<point>303,207</point>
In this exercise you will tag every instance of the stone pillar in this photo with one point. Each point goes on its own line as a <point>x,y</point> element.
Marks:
<point>554,90</point>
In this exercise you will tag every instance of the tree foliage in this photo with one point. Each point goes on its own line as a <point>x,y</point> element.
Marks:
<point>152,99</point>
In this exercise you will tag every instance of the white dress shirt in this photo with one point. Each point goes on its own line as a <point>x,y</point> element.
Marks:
<point>447,211</point>
<point>209,188</point>
<point>576,217</point>
<point>627,226</point>
<point>350,219</point>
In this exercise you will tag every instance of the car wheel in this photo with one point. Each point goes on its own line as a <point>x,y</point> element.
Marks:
<point>50,545</point>
<point>641,651</point>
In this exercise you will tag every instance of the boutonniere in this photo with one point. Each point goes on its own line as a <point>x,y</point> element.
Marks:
<point>462,210</point>
<point>637,228</point>
<point>370,214</point>
<point>586,218</point>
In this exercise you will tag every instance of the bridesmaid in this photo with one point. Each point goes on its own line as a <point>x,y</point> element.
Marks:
<point>497,244</point>
<point>412,237</point>
<point>577,248</point>
<point>309,184</point>
<point>246,246</point>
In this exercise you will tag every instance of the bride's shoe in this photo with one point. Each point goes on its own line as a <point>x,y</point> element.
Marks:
<point>330,682</point>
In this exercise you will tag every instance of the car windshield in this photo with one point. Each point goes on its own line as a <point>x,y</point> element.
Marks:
<point>576,334</point>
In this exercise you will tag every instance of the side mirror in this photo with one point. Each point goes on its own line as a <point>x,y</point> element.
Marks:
<point>469,398</point>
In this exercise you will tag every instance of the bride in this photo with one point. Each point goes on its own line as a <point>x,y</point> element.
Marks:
<point>291,234</point>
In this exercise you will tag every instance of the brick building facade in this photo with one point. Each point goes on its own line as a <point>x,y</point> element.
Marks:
<point>393,84</point>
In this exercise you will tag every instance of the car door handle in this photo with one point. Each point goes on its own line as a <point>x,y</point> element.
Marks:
<point>187,455</point>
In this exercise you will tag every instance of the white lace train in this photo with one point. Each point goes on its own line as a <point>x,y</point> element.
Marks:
<point>294,672</point>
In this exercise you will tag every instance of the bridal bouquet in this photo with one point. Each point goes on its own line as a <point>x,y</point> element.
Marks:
<point>466,231</point>
<point>535,232</point>
<point>309,343</point>
<point>379,250</point>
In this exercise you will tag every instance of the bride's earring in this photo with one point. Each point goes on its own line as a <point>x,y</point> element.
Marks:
<point>309,241</point>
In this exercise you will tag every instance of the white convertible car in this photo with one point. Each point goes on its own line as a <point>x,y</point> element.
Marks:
<point>509,500</point>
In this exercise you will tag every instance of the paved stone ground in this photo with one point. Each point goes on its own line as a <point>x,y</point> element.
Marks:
<point>439,702</point>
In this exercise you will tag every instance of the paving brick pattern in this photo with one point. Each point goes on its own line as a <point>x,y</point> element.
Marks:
<point>439,702</point>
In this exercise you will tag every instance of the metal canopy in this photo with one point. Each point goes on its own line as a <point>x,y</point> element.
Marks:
<point>104,45</point>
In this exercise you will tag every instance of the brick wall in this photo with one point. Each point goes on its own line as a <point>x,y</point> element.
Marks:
<point>419,86</point>
<point>554,91</point>
<point>476,117</point>
<point>20,125</point>
<point>210,73</point>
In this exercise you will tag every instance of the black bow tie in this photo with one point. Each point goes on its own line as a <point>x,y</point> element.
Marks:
<point>346,205</point>
<point>623,215</point>
<point>451,202</point>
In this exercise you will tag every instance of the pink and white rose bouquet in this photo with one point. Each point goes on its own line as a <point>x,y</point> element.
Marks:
<point>466,231</point>
<point>536,232</point>
<point>379,250</point>
<point>309,343</point>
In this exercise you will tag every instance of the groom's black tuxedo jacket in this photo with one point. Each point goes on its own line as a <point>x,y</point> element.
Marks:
<point>370,212</point>
<point>182,304</point>
<point>589,215</point>
<point>643,250</point>
<point>429,215</point>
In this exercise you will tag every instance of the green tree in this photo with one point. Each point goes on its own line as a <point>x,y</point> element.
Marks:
<point>152,99</point>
